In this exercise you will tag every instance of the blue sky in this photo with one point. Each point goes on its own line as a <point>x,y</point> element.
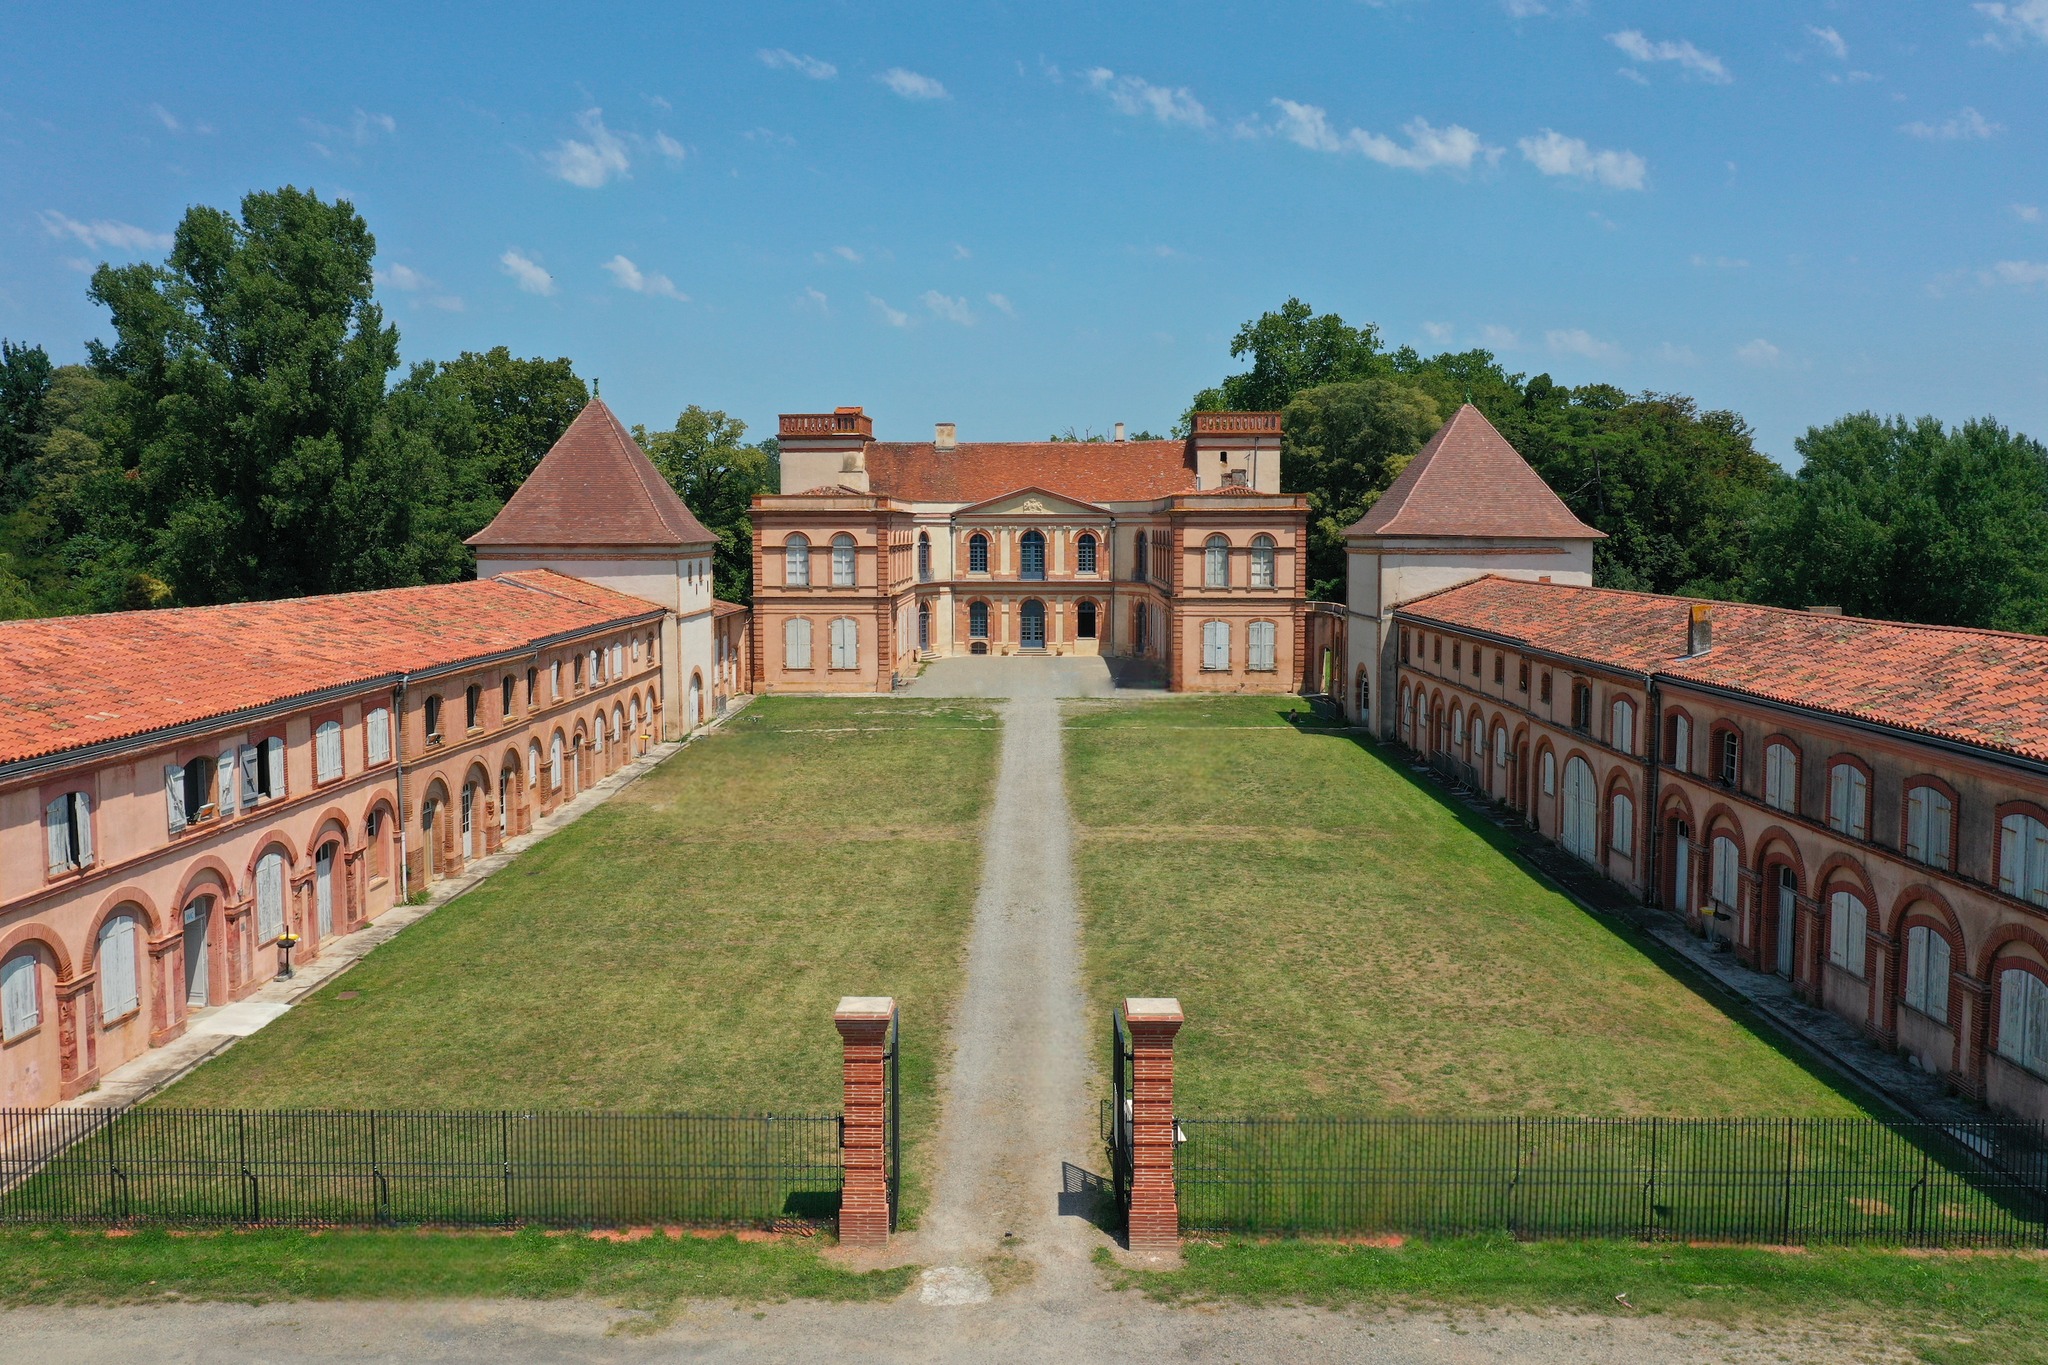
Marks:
<point>1028,217</point>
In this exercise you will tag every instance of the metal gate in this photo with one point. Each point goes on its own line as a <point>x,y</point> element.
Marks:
<point>891,1060</point>
<point>1119,1125</point>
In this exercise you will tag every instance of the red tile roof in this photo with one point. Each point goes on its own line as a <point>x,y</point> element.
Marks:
<point>1982,687</point>
<point>720,608</point>
<point>1468,481</point>
<point>1088,471</point>
<point>595,486</point>
<point>70,681</point>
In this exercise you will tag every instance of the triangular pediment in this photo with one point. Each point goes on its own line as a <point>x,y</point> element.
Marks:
<point>1032,502</point>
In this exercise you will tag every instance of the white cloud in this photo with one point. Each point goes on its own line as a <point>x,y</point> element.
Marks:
<point>815,298</point>
<point>106,233</point>
<point>361,130</point>
<point>527,272</point>
<point>590,164</point>
<point>1439,332</point>
<point>629,276</point>
<point>782,59</point>
<point>1495,337</point>
<point>1629,73</point>
<point>769,135</point>
<point>1525,9</point>
<point>166,118</point>
<point>2027,213</point>
<point>2020,274</point>
<point>1758,352</point>
<point>1577,341</point>
<point>1429,147</point>
<point>892,316</point>
<point>1676,355</point>
<point>2016,22</point>
<point>1967,124</point>
<point>659,103</point>
<point>402,277</point>
<point>1139,98</point>
<point>1001,304</point>
<point>1830,41</point>
<point>1705,65</point>
<point>1553,153</point>
<point>669,147</point>
<point>1719,262</point>
<point>912,86</point>
<point>844,253</point>
<point>950,309</point>
<point>961,253</point>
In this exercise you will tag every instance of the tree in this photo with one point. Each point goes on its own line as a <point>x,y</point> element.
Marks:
<point>1292,349</point>
<point>1342,444</point>
<point>248,374</point>
<point>25,378</point>
<point>707,461</point>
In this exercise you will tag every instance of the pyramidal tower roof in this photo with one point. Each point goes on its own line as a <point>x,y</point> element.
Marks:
<point>1468,481</point>
<point>595,486</point>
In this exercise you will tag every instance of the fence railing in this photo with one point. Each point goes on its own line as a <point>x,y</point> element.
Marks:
<point>1736,1180</point>
<point>339,1167</point>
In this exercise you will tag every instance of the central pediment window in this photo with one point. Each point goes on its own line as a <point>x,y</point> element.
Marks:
<point>1032,561</point>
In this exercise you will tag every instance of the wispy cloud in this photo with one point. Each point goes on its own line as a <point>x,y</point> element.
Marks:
<point>1672,354</point>
<point>406,280</point>
<point>1495,337</point>
<point>2019,274</point>
<point>813,297</point>
<point>1001,303</point>
<point>782,59</point>
<point>1552,153</point>
<point>1439,332</point>
<point>1577,341</point>
<point>1759,352</point>
<point>844,253</point>
<point>1428,147</point>
<point>911,85</point>
<point>1140,98</point>
<point>2012,24</point>
<point>1719,262</point>
<point>1966,125</point>
<point>1829,41</point>
<point>362,129</point>
<point>1704,65</point>
<point>669,147</point>
<point>893,316</point>
<point>961,253</point>
<point>2027,213</point>
<point>629,276</point>
<point>592,161</point>
<point>526,272</point>
<point>1525,9</point>
<point>175,124</point>
<point>950,309</point>
<point>105,233</point>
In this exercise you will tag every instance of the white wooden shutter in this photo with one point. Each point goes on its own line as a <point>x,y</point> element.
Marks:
<point>269,897</point>
<point>377,728</point>
<point>1838,928</point>
<point>1937,976</point>
<point>1916,824</point>
<point>81,826</point>
<point>174,795</point>
<point>273,764</point>
<point>1859,803</point>
<point>2011,852</point>
<point>796,643</point>
<point>57,832</point>
<point>1838,797</point>
<point>20,1002</point>
<point>247,764</point>
<point>1215,644</point>
<point>1261,644</point>
<point>1681,744</point>
<point>225,786</point>
<point>327,751</point>
<point>1725,875</point>
<point>118,994</point>
<point>2012,1013</point>
<point>1940,817</point>
<point>1916,966</point>
<point>2035,887</point>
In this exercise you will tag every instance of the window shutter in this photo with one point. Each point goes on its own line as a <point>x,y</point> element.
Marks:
<point>174,795</point>
<point>1940,815</point>
<point>377,735</point>
<point>57,832</point>
<point>2036,884</point>
<point>1681,744</point>
<point>1838,797</point>
<point>1937,976</point>
<point>249,776</point>
<point>81,826</point>
<point>273,764</point>
<point>1916,824</point>
<point>1916,966</point>
<point>117,968</point>
<point>20,1005</point>
<point>2009,855</point>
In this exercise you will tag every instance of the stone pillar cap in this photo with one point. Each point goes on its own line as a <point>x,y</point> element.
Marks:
<point>865,1006</point>
<point>1149,1007</point>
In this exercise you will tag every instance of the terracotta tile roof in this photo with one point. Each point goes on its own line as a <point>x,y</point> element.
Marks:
<point>595,486</point>
<point>975,471</point>
<point>70,681</point>
<point>1982,687</point>
<point>721,608</point>
<point>1468,481</point>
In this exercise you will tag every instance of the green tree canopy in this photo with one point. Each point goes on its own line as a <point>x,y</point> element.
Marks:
<point>1342,444</point>
<point>1292,349</point>
<point>706,459</point>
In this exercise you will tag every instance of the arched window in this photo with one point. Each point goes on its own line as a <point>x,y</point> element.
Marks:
<point>1725,883</point>
<point>1216,563</point>
<point>1140,567</point>
<point>1621,720</point>
<point>1621,831</point>
<point>633,710</point>
<point>1361,702</point>
<point>1031,555</point>
<point>1084,620</point>
<point>1262,561</point>
<point>533,764</point>
<point>2023,1019</point>
<point>924,556</point>
<point>120,983</point>
<point>1847,919</point>
<point>1728,757</point>
<point>1930,826</point>
<point>1781,778</point>
<point>1084,554</point>
<point>555,773</point>
<point>1927,970</point>
<point>2023,858</point>
<point>845,643</point>
<point>1262,655</point>
<point>796,561</point>
<point>977,553</point>
<point>269,896</point>
<point>67,827</point>
<point>1849,800</point>
<point>796,643</point>
<point>1215,645</point>
<point>1580,826</point>
<point>21,996</point>
<point>842,560</point>
<point>924,625</point>
<point>977,621</point>
<point>1500,746</point>
<point>469,820</point>
<point>1549,773</point>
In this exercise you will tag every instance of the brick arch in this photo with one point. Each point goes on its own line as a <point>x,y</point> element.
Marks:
<point>271,839</point>
<point>34,933</point>
<point>111,904</point>
<point>1850,870</point>
<point>1776,845</point>
<point>335,820</point>
<point>1938,912</point>
<point>1677,803</point>
<point>1987,958</point>
<point>1721,818</point>
<point>197,872</point>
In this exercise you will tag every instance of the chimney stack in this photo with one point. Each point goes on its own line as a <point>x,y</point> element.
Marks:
<point>943,436</point>
<point>1119,431</point>
<point>1700,636</point>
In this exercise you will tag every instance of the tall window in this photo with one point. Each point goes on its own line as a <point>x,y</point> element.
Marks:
<point>845,643</point>
<point>924,556</point>
<point>188,791</point>
<point>1138,564</point>
<point>555,766</point>
<point>2023,858</point>
<point>1549,773</point>
<point>431,709</point>
<point>1031,555</point>
<point>1262,561</point>
<point>977,621</point>
<point>1726,887</point>
<point>796,643</point>
<point>327,751</point>
<point>1680,756</point>
<point>977,553</point>
<point>1927,969</point>
<point>67,825</point>
<point>1215,645</point>
<point>1500,746</point>
<point>1216,563</point>
<point>1728,757</point>
<point>1847,920</point>
<point>120,993</point>
<point>1543,689</point>
<point>1582,706</point>
<point>796,561</point>
<point>1622,827</point>
<point>1259,642</point>
<point>21,999</point>
<point>1849,800</point>
<point>1084,554</point>
<point>1621,722</point>
<point>555,680</point>
<point>1084,620</point>
<point>1500,667</point>
<point>533,764</point>
<point>842,561</point>
<point>1930,826</point>
<point>1781,778</point>
<point>269,896</point>
<point>377,733</point>
<point>2023,1019</point>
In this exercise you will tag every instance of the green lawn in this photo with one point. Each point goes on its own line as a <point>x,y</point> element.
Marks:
<point>680,948</point>
<point>1346,941</point>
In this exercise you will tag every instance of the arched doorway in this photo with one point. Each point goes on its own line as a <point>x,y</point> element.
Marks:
<point>1785,916</point>
<point>696,700</point>
<point>468,821</point>
<point>198,932</point>
<point>504,801</point>
<point>924,627</point>
<point>1361,696</point>
<point>323,887</point>
<point>1581,823</point>
<point>1031,623</point>
<point>1681,867</point>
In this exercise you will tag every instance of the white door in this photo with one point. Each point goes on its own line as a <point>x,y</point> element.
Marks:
<point>1681,874</point>
<point>1788,907</point>
<point>1581,812</point>
<point>197,916</point>
<point>469,821</point>
<point>323,888</point>
<point>696,712</point>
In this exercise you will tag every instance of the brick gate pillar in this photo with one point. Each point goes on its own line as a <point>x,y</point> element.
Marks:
<point>863,1024</point>
<point>1155,1212</point>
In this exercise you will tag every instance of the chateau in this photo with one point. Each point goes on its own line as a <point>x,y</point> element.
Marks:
<point>1859,806</point>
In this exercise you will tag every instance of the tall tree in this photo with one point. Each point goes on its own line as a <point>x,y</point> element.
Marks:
<point>25,379</point>
<point>1342,444</point>
<point>706,459</point>
<point>1291,349</point>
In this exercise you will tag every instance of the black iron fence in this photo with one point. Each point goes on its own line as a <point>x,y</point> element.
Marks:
<point>1737,1180</point>
<point>333,1167</point>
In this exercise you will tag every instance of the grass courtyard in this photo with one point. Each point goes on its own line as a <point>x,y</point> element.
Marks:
<point>1346,941</point>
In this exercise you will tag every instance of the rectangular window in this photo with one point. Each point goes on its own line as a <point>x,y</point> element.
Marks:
<point>1781,778</point>
<point>118,993</point>
<point>1849,800</point>
<point>505,699</point>
<point>472,707</point>
<point>1582,706</point>
<point>1680,756</point>
<point>1846,927</point>
<point>796,643</point>
<point>1927,972</point>
<point>845,643</point>
<point>2023,858</point>
<point>1260,642</point>
<point>377,734</point>
<point>21,1006</point>
<point>1500,667</point>
<point>1522,676</point>
<point>1215,645</point>
<point>1437,649</point>
<point>327,751</point>
<point>431,709</point>
<point>1622,726</point>
<point>2023,1020</point>
<point>1731,758</point>
<point>269,897</point>
<point>1457,655</point>
<point>1930,820</point>
<point>555,679</point>
<point>67,821</point>
<point>1544,691</point>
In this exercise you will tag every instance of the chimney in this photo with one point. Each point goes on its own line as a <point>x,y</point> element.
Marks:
<point>1119,431</point>
<point>1824,611</point>
<point>944,436</point>
<point>1700,636</point>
